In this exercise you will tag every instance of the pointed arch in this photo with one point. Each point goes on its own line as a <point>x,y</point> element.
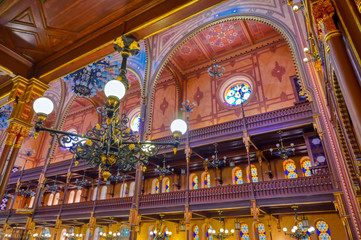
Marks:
<point>237,176</point>
<point>56,198</point>
<point>155,186</point>
<point>71,196</point>
<point>103,194</point>
<point>322,229</point>
<point>252,174</point>
<point>305,165</point>
<point>206,180</point>
<point>124,232</point>
<point>289,167</point>
<point>166,185</point>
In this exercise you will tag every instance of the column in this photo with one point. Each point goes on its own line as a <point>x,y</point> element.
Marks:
<point>323,13</point>
<point>23,94</point>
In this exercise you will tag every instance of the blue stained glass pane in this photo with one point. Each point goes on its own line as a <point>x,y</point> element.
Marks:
<point>237,94</point>
<point>135,123</point>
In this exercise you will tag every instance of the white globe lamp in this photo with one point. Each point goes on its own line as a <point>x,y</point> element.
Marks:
<point>114,90</point>
<point>178,126</point>
<point>43,107</point>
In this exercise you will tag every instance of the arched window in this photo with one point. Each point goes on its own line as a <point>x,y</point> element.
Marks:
<point>155,186</point>
<point>131,189</point>
<point>124,232</point>
<point>71,196</point>
<point>206,180</point>
<point>151,229</point>
<point>253,174</point>
<point>235,90</point>
<point>31,203</point>
<point>62,235</point>
<point>4,202</point>
<point>237,176</point>
<point>50,199</point>
<point>195,233</point>
<point>56,198</point>
<point>46,231</point>
<point>261,231</point>
<point>166,185</point>
<point>306,164</point>
<point>323,231</point>
<point>87,235</point>
<point>78,196</point>
<point>244,234</point>
<point>96,233</point>
<point>194,181</point>
<point>123,190</point>
<point>103,194</point>
<point>208,235</point>
<point>95,190</point>
<point>290,169</point>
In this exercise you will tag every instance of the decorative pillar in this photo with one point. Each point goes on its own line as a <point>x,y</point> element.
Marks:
<point>134,219</point>
<point>323,13</point>
<point>23,94</point>
<point>254,212</point>
<point>92,222</point>
<point>259,156</point>
<point>345,218</point>
<point>188,218</point>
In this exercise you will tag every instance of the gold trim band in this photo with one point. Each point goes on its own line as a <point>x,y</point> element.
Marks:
<point>331,34</point>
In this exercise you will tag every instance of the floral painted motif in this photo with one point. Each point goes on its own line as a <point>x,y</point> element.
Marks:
<point>323,231</point>
<point>244,234</point>
<point>238,177</point>
<point>306,164</point>
<point>254,174</point>
<point>261,231</point>
<point>4,202</point>
<point>237,94</point>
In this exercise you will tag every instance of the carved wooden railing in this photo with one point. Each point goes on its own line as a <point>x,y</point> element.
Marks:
<point>163,199</point>
<point>115,203</point>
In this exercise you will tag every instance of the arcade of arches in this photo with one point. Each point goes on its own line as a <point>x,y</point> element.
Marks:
<point>290,78</point>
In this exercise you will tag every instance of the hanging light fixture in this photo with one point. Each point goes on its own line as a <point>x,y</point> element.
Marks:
<point>159,233</point>
<point>215,70</point>
<point>301,230</point>
<point>215,161</point>
<point>282,151</point>
<point>26,192</point>
<point>165,170</point>
<point>83,183</point>
<point>73,236</point>
<point>111,143</point>
<point>43,236</point>
<point>117,178</point>
<point>92,78</point>
<point>223,233</point>
<point>53,189</point>
<point>5,112</point>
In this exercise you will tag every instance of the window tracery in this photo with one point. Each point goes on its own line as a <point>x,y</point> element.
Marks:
<point>261,231</point>
<point>244,232</point>
<point>323,230</point>
<point>290,169</point>
<point>252,174</point>
<point>195,233</point>
<point>306,164</point>
<point>195,182</point>
<point>237,176</point>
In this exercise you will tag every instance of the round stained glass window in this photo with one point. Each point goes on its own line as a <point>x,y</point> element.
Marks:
<point>237,93</point>
<point>134,125</point>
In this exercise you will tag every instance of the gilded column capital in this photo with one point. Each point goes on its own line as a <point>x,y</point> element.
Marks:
<point>323,12</point>
<point>358,5</point>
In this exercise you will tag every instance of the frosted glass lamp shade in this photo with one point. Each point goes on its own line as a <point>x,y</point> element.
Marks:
<point>178,125</point>
<point>114,88</point>
<point>43,105</point>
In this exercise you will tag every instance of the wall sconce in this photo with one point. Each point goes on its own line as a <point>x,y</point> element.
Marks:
<point>182,227</point>
<point>237,225</point>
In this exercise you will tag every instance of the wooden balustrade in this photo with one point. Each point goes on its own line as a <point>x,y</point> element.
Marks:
<point>163,199</point>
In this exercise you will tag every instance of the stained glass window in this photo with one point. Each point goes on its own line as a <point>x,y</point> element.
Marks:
<point>134,125</point>
<point>238,179</point>
<point>4,202</point>
<point>244,234</point>
<point>157,187</point>
<point>195,182</point>
<point>323,231</point>
<point>290,169</point>
<point>261,231</point>
<point>195,232</point>
<point>253,175</point>
<point>124,232</point>
<point>207,180</point>
<point>167,185</point>
<point>208,235</point>
<point>15,169</point>
<point>306,164</point>
<point>237,93</point>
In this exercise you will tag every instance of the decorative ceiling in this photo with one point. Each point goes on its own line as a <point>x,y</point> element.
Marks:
<point>221,40</point>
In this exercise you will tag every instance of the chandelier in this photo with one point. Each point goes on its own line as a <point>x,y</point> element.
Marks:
<point>282,151</point>
<point>188,107</point>
<point>26,192</point>
<point>43,236</point>
<point>7,235</point>
<point>165,170</point>
<point>5,112</point>
<point>215,70</point>
<point>73,236</point>
<point>301,230</point>
<point>86,81</point>
<point>215,161</point>
<point>111,143</point>
<point>159,233</point>
<point>223,233</point>
<point>54,188</point>
<point>83,183</point>
<point>117,178</point>
<point>110,235</point>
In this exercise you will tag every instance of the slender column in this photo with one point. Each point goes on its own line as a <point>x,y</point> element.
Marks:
<point>134,219</point>
<point>24,132</point>
<point>339,206</point>
<point>323,12</point>
<point>254,212</point>
<point>13,130</point>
